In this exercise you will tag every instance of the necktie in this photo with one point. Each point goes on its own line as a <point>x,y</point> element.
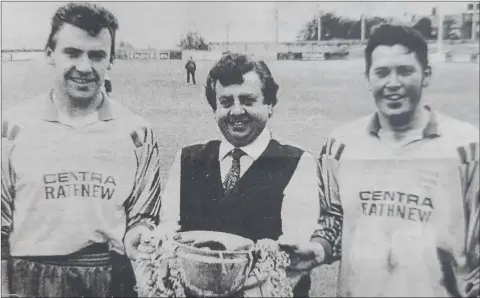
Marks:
<point>234,174</point>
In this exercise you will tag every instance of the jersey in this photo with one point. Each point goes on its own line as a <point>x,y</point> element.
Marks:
<point>402,220</point>
<point>64,187</point>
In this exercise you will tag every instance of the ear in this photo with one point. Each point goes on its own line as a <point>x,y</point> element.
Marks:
<point>109,65</point>
<point>367,81</point>
<point>427,74</point>
<point>49,55</point>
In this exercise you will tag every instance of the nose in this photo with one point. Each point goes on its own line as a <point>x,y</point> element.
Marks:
<point>83,64</point>
<point>393,81</point>
<point>237,108</point>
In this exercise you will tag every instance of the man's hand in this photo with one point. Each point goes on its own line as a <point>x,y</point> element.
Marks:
<point>139,243</point>
<point>166,230</point>
<point>304,256</point>
<point>472,288</point>
<point>255,286</point>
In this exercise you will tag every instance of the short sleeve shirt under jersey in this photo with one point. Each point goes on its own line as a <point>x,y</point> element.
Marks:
<point>64,187</point>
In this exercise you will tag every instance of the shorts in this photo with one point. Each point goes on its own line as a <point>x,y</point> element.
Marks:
<point>102,274</point>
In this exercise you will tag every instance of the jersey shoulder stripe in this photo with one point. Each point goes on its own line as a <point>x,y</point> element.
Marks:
<point>468,153</point>
<point>333,148</point>
<point>346,135</point>
<point>339,151</point>
<point>9,131</point>
<point>136,139</point>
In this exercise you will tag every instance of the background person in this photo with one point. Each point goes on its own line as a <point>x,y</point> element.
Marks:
<point>191,67</point>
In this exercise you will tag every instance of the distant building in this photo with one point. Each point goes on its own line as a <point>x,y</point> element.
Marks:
<point>459,26</point>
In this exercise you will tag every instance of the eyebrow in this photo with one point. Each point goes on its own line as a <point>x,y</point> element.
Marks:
<point>98,52</point>
<point>243,95</point>
<point>94,52</point>
<point>381,68</point>
<point>390,67</point>
<point>71,49</point>
<point>247,95</point>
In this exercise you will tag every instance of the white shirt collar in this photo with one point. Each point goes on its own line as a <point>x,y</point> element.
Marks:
<point>254,149</point>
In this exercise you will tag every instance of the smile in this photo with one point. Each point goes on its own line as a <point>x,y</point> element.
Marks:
<point>238,124</point>
<point>394,97</point>
<point>81,81</point>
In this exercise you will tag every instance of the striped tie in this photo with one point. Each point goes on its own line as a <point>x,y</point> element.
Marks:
<point>234,174</point>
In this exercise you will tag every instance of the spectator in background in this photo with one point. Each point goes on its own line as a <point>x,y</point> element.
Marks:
<point>191,67</point>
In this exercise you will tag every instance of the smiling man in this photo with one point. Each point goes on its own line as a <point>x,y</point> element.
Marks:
<point>400,188</point>
<point>80,172</point>
<point>246,183</point>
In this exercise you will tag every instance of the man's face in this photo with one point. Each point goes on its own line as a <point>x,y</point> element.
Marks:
<point>80,62</point>
<point>396,79</point>
<point>241,113</point>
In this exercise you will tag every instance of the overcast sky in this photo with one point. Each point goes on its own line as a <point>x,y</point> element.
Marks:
<point>161,24</point>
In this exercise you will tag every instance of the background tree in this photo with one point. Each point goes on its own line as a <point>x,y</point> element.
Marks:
<point>332,27</point>
<point>126,46</point>
<point>309,31</point>
<point>336,27</point>
<point>193,41</point>
<point>123,49</point>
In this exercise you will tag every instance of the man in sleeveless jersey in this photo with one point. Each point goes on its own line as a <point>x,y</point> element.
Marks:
<point>80,172</point>
<point>400,188</point>
<point>245,183</point>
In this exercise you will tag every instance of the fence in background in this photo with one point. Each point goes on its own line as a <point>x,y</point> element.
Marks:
<point>454,50</point>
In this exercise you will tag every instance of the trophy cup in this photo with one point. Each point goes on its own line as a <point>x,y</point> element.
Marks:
<point>213,264</point>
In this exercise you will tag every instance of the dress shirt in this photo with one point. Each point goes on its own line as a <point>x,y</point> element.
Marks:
<point>300,207</point>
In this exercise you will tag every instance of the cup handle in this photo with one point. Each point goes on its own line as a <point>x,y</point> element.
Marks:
<point>251,283</point>
<point>251,262</point>
<point>260,277</point>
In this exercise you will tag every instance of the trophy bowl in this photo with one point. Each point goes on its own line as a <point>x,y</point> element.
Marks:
<point>213,263</point>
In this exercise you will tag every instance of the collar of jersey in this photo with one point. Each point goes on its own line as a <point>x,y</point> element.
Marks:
<point>430,130</point>
<point>105,111</point>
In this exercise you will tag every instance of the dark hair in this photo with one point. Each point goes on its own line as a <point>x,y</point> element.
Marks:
<point>229,70</point>
<point>86,16</point>
<point>390,35</point>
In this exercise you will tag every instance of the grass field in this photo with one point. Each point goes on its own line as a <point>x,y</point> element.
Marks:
<point>314,98</point>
